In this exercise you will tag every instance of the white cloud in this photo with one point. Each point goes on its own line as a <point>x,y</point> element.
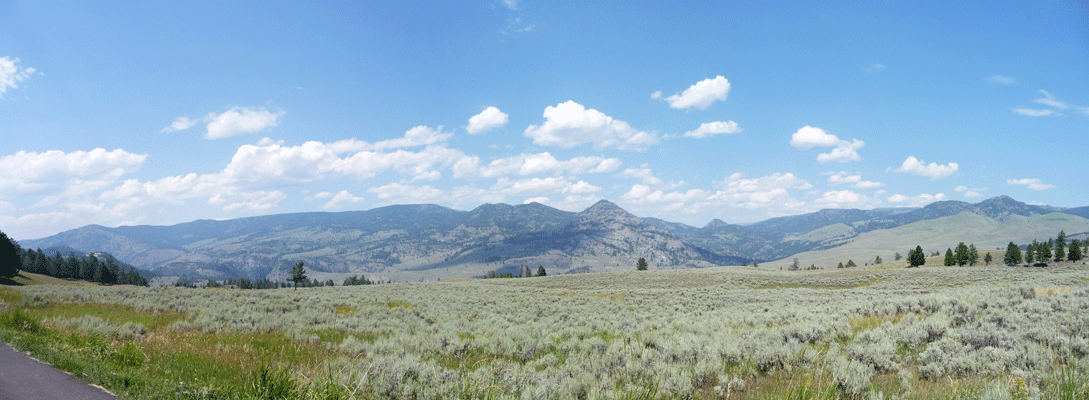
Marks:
<point>510,4</point>
<point>570,124</point>
<point>916,201</point>
<point>1034,112</point>
<point>970,192</point>
<point>11,74</point>
<point>1049,100</point>
<point>76,171</point>
<point>469,167</point>
<point>643,194</point>
<point>239,120</point>
<point>341,200</point>
<point>644,173</point>
<point>521,187</point>
<point>1001,79</point>
<point>1031,183</point>
<point>254,201</point>
<point>841,178</point>
<point>700,95</point>
<point>933,171</point>
<point>709,129</point>
<point>808,137</point>
<point>737,191</point>
<point>845,199</point>
<point>516,25</point>
<point>487,120</point>
<point>656,95</point>
<point>875,68</point>
<point>179,124</point>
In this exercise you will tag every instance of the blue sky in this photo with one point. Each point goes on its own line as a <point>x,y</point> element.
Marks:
<point>161,113</point>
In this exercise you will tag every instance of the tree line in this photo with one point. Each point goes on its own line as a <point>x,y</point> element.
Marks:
<point>14,258</point>
<point>523,272</point>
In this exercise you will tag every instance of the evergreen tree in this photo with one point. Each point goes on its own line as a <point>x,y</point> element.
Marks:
<point>1030,252</point>
<point>851,264</point>
<point>62,266</point>
<point>1075,252</point>
<point>1043,253</point>
<point>541,271</point>
<point>840,265</point>
<point>794,265</point>
<point>10,262</point>
<point>949,259</point>
<point>641,265</point>
<point>916,257</point>
<point>1013,255</point>
<point>987,258</point>
<point>973,254</point>
<point>961,254</point>
<point>298,275</point>
<point>1060,247</point>
<point>877,260</point>
<point>897,256</point>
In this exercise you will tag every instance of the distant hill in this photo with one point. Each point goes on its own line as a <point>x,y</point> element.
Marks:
<point>428,240</point>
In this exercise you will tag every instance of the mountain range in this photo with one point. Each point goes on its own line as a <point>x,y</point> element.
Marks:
<point>414,241</point>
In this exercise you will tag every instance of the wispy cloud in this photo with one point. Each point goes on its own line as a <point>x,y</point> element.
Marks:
<point>1031,183</point>
<point>970,192</point>
<point>875,68</point>
<point>1002,80</point>
<point>709,129</point>
<point>1034,112</point>
<point>11,74</point>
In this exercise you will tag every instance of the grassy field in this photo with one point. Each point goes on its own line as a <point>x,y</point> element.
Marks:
<point>987,332</point>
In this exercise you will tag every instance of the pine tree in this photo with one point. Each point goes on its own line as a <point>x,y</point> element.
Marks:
<point>541,271</point>
<point>916,257</point>
<point>973,254</point>
<point>1030,252</point>
<point>877,260</point>
<point>10,262</point>
<point>1013,255</point>
<point>641,265</point>
<point>851,264</point>
<point>987,258</point>
<point>1043,253</point>
<point>840,265</point>
<point>961,254</point>
<point>1060,246</point>
<point>1075,252</point>
<point>298,274</point>
<point>897,256</point>
<point>949,260</point>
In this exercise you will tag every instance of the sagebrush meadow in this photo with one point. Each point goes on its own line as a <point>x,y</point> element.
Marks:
<point>992,332</point>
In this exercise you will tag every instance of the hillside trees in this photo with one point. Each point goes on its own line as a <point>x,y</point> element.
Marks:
<point>916,257</point>
<point>962,254</point>
<point>973,254</point>
<point>1075,252</point>
<point>1043,253</point>
<point>1030,252</point>
<point>10,262</point>
<point>1013,255</point>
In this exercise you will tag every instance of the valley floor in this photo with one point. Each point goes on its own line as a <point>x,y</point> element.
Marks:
<point>989,332</point>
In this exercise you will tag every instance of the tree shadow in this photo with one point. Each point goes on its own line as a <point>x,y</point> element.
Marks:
<point>10,281</point>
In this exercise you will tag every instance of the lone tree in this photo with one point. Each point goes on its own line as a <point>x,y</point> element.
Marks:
<point>916,257</point>
<point>877,260</point>
<point>298,274</point>
<point>949,259</point>
<point>987,258</point>
<point>541,271</point>
<point>973,254</point>
<point>794,265</point>
<point>10,262</point>
<point>851,264</point>
<point>897,256</point>
<point>641,265</point>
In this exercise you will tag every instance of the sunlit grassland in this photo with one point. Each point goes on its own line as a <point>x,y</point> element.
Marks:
<point>989,332</point>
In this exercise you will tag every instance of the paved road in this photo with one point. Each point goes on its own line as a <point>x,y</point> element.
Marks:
<point>23,378</point>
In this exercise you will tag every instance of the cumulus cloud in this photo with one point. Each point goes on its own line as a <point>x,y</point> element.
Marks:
<point>239,120</point>
<point>11,74</point>
<point>75,172</point>
<point>845,199</point>
<point>643,173</point>
<point>970,192</point>
<point>1001,79</point>
<point>570,124</point>
<point>855,181</point>
<point>934,171</point>
<point>808,137</point>
<point>179,124</point>
<point>713,128</point>
<point>757,192</point>
<point>916,201</point>
<point>700,95</point>
<point>1031,183</point>
<point>341,200</point>
<point>487,120</point>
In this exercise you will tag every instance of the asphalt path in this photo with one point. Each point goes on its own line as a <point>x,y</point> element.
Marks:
<point>24,378</point>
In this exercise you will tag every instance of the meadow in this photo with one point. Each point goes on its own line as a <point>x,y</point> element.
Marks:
<point>880,332</point>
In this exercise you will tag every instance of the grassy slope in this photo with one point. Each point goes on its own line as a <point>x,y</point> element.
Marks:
<point>940,234</point>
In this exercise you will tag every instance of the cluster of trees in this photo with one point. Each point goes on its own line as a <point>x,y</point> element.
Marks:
<point>89,268</point>
<point>1054,249</point>
<point>850,264</point>
<point>523,272</point>
<point>965,254</point>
